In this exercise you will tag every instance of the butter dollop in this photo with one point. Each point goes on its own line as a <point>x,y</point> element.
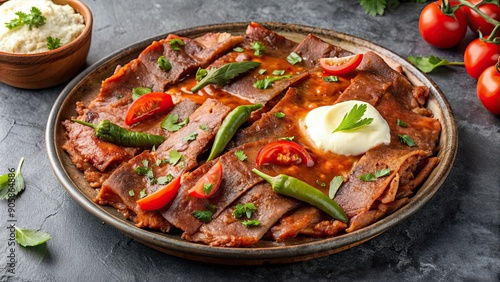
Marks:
<point>322,121</point>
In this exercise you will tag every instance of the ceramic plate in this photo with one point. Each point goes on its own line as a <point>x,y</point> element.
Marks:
<point>85,87</point>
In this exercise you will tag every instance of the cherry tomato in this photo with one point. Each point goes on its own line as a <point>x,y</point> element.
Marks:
<point>147,105</point>
<point>342,65</point>
<point>162,197</point>
<point>476,22</point>
<point>439,29</point>
<point>480,55</point>
<point>208,184</point>
<point>488,89</point>
<point>284,153</point>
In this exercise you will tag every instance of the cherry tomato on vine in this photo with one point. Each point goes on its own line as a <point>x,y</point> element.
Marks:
<point>476,22</point>
<point>480,55</point>
<point>440,27</point>
<point>342,65</point>
<point>488,89</point>
<point>208,184</point>
<point>160,198</point>
<point>147,105</point>
<point>284,153</point>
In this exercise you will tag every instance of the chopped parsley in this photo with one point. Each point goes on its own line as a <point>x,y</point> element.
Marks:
<point>171,123</point>
<point>163,180</point>
<point>250,223</point>
<point>238,49</point>
<point>294,58</point>
<point>401,123</point>
<point>175,44</point>
<point>406,139</point>
<point>331,78</point>
<point>204,215</point>
<point>175,157</point>
<point>262,71</point>
<point>131,193</point>
<point>207,188</point>
<point>278,72</point>
<point>258,48</point>
<point>53,43</point>
<point>369,177</point>
<point>240,155</point>
<point>279,114</point>
<point>33,19</point>
<point>353,119</point>
<point>139,91</point>
<point>204,127</point>
<point>163,63</point>
<point>190,137</point>
<point>289,138</point>
<point>200,74</point>
<point>143,193</point>
<point>268,81</point>
<point>244,210</point>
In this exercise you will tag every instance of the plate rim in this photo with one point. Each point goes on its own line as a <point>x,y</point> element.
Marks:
<point>279,254</point>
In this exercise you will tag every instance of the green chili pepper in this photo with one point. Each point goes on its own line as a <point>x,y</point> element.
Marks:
<point>298,189</point>
<point>110,132</point>
<point>229,126</point>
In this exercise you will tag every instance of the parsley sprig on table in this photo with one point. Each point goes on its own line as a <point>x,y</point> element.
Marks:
<point>378,7</point>
<point>33,19</point>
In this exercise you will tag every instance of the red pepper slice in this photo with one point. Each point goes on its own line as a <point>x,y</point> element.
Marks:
<point>160,198</point>
<point>208,184</point>
<point>284,153</point>
<point>342,65</point>
<point>147,105</point>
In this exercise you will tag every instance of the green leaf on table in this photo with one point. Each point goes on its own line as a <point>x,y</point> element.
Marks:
<point>373,7</point>
<point>8,187</point>
<point>30,238</point>
<point>428,64</point>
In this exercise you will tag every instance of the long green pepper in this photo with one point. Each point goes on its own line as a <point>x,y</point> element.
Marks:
<point>110,132</point>
<point>298,189</point>
<point>229,126</point>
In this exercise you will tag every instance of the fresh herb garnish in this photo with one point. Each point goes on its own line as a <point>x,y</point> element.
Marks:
<point>289,138</point>
<point>321,183</point>
<point>401,123</point>
<point>250,223</point>
<point>163,63</point>
<point>175,44</point>
<point>174,157</point>
<point>190,137</point>
<point>163,180</point>
<point>33,19</point>
<point>28,238</point>
<point>204,215</point>
<point>9,189</point>
<point>353,119</point>
<point>200,74</point>
<point>262,71</point>
<point>368,177</point>
<point>378,7</point>
<point>139,91</point>
<point>143,193</point>
<point>244,210</point>
<point>221,76</point>
<point>331,78</point>
<point>268,81</point>
<point>238,49</point>
<point>279,114</point>
<point>53,43</point>
<point>204,127</point>
<point>428,64</point>
<point>171,123</point>
<point>335,185</point>
<point>207,188</point>
<point>294,58</point>
<point>131,193</point>
<point>240,155</point>
<point>258,48</point>
<point>406,139</point>
<point>278,72</point>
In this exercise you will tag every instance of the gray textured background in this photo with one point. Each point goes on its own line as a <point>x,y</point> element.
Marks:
<point>456,236</point>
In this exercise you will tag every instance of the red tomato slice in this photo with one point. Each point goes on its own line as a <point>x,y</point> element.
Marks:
<point>160,198</point>
<point>148,105</point>
<point>284,153</point>
<point>208,184</point>
<point>342,65</point>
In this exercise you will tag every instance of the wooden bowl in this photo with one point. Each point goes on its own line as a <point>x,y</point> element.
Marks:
<point>46,69</point>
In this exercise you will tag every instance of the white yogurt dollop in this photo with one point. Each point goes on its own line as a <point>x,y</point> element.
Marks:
<point>322,121</point>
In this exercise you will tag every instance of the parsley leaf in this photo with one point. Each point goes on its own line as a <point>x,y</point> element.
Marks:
<point>382,172</point>
<point>278,72</point>
<point>207,188</point>
<point>28,238</point>
<point>268,82</point>
<point>171,123</point>
<point>190,137</point>
<point>294,58</point>
<point>246,209</point>
<point>353,119</point>
<point>204,215</point>
<point>240,155</point>
<point>33,19</point>
<point>401,123</point>
<point>279,114</point>
<point>250,223</point>
<point>374,176</point>
<point>368,177</point>
<point>331,78</point>
<point>258,47</point>
<point>139,91</point>
<point>174,157</point>
<point>238,49</point>
<point>175,44</point>
<point>163,180</point>
<point>163,63</point>
<point>53,43</point>
<point>131,193</point>
<point>373,7</point>
<point>428,64</point>
<point>406,139</point>
<point>335,185</point>
<point>8,189</point>
<point>221,76</point>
